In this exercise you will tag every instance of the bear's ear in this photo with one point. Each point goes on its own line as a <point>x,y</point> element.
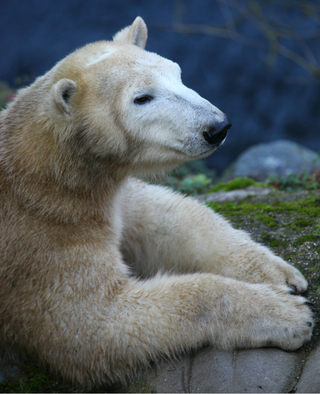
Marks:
<point>135,34</point>
<point>63,91</point>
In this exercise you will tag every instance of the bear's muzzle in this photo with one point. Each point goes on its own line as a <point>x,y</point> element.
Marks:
<point>217,132</point>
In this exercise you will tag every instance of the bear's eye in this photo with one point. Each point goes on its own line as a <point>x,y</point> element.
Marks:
<point>143,99</point>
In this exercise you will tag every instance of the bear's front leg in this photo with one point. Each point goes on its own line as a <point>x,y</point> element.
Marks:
<point>166,231</point>
<point>106,340</point>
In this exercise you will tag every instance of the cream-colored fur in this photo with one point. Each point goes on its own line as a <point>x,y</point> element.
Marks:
<point>72,221</point>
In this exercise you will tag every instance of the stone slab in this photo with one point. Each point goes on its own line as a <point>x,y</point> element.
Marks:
<point>310,378</point>
<point>264,371</point>
<point>166,377</point>
<point>245,371</point>
<point>212,372</point>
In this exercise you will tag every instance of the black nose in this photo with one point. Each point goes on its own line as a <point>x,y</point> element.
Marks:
<point>217,132</point>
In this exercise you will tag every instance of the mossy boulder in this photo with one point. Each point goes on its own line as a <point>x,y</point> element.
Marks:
<point>279,158</point>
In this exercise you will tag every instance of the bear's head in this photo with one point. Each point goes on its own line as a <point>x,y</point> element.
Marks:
<point>130,106</point>
<point>112,106</point>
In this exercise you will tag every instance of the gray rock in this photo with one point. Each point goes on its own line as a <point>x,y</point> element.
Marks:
<point>310,378</point>
<point>264,371</point>
<point>234,194</point>
<point>276,158</point>
<point>213,372</point>
<point>245,371</point>
<point>166,377</point>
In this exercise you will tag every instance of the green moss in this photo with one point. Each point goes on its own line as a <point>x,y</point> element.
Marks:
<point>303,212</point>
<point>307,208</point>
<point>304,222</point>
<point>34,380</point>
<point>293,182</point>
<point>269,221</point>
<point>313,270</point>
<point>191,178</point>
<point>301,223</point>
<point>234,184</point>
<point>190,185</point>
<point>306,238</point>
<point>273,242</point>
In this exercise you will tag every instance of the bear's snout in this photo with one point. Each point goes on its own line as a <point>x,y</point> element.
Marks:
<point>217,132</point>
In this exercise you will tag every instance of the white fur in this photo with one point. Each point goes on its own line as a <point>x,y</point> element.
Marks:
<point>100,57</point>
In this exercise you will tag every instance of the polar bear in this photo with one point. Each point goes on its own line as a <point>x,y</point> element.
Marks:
<point>100,272</point>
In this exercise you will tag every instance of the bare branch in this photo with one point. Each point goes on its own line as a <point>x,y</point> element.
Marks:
<point>273,31</point>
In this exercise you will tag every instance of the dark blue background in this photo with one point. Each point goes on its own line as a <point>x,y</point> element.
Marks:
<point>263,103</point>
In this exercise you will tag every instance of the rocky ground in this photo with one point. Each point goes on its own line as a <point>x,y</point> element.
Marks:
<point>289,223</point>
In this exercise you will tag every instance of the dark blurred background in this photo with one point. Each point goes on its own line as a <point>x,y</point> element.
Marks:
<point>258,61</point>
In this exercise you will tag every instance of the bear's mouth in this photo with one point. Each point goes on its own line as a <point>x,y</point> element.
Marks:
<point>215,139</point>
